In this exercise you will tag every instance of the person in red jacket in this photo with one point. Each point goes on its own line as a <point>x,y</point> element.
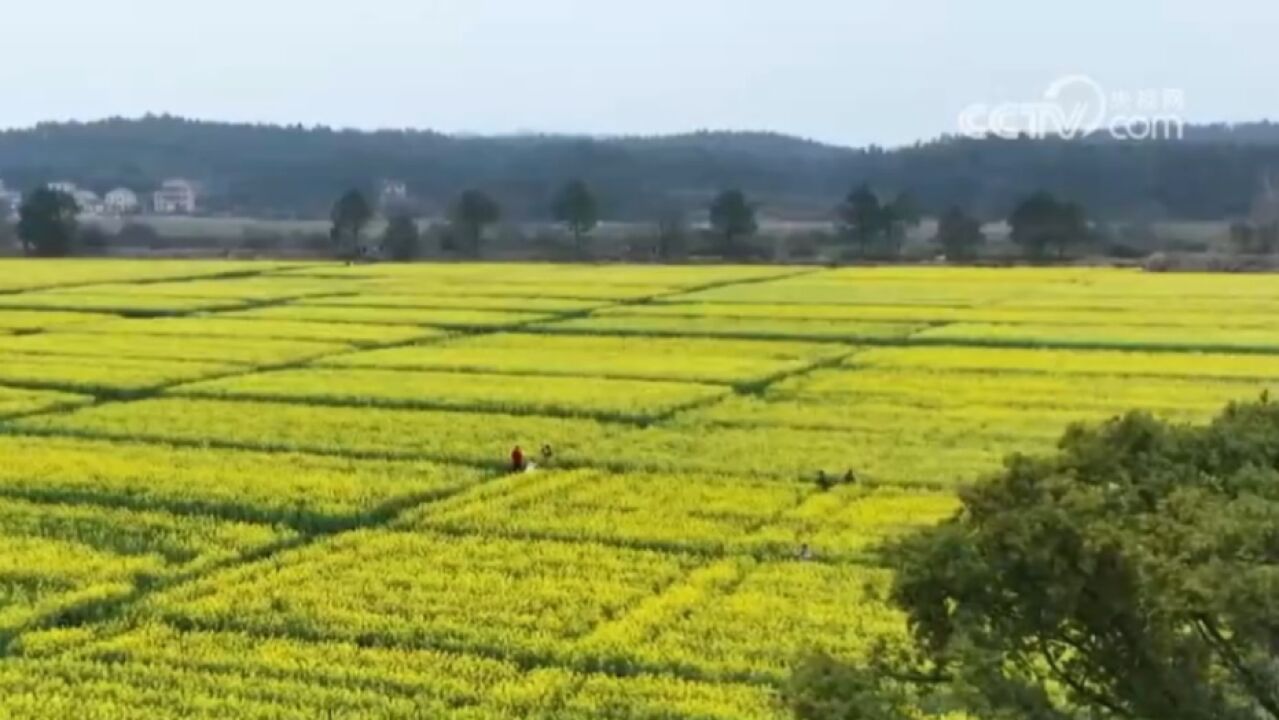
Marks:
<point>517,459</point>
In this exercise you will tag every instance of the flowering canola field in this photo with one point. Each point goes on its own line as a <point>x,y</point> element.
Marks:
<point>252,490</point>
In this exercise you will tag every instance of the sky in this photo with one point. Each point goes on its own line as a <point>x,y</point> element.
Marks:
<point>842,71</point>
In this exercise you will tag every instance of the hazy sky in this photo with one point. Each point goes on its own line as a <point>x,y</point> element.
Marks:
<point>837,70</point>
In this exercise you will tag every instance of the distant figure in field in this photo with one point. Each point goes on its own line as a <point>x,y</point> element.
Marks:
<point>824,481</point>
<point>517,459</point>
<point>547,454</point>
<point>850,478</point>
<point>804,552</point>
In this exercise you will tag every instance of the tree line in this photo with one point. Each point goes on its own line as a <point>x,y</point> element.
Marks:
<point>867,226</point>
<point>875,229</point>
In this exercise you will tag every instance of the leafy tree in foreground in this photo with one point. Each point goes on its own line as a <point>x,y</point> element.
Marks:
<point>959,235</point>
<point>1040,223</point>
<point>350,214</point>
<point>1134,574</point>
<point>575,206</point>
<point>732,218</point>
<point>400,239</point>
<point>47,223</point>
<point>474,211</point>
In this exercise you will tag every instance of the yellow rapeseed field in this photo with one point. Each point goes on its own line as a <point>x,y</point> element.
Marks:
<point>285,490</point>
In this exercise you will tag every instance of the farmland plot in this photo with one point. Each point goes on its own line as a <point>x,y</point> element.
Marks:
<point>287,490</point>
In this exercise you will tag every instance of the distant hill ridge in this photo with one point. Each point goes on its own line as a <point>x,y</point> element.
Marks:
<point>296,171</point>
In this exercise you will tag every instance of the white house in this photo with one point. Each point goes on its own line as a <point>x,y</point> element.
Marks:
<point>63,186</point>
<point>175,197</point>
<point>121,201</point>
<point>88,202</point>
<point>394,192</point>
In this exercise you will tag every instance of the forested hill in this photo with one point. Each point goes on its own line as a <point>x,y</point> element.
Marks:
<point>294,171</point>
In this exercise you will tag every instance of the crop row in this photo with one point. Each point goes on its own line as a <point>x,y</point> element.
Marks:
<point>55,556</point>
<point>543,279</point>
<point>1038,391</point>
<point>1013,313</point>
<point>39,577</point>
<point>579,605</point>
<point>977,287</point>
<point>634,400</point>
<point>222,326</point>
<point>126,303</point>
<point>24,321</point>
<point>15,401</point>
<point>419,590</point>
<point>18,274</point>
<point>626,323</point>
<point>479,438</point>
<point>256,288</point>
<point>312,493</point>
<point>689,359</point>
<point>461,318</point>
<point>1208,338</point>
<point>251,351</point>
<point>102,375</point>
<point>706,514</point>
<point>1070,363</point>
<point>154,671</point>
<point>748,621</point>
<point>376,299</point>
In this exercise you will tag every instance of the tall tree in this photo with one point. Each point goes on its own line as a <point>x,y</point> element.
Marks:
<point>672,232</point>
<point>575,206</point>
<point>1041,224</point>
<point>898,217</point>
<point>732,218</point>
<point>474,211</point>
<point>47,222</point>
<point>959,235</point>
<point>350,215</point>
<point>401,238</point>
<point>861,218</point>
<point>1130,576</point>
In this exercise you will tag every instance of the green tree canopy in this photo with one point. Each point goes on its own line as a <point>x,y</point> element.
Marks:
<point>575,206</point>
<point>861,218</point>
<point>875,227</point>
<point>472,212</point>
<point>1133,574</point>
<point>401,238</point>
<point>732,218</point>
<point>898,216</point>
<point>47,223</point>
<point>959,235</point>
<point>350,214</point>
<point>1041,224</point>
<point>672,231</point>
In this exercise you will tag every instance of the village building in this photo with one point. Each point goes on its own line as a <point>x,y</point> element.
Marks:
<point>175,197</point>
<point>121,201</point>
<point>88,201</point>
<point>394,196</point>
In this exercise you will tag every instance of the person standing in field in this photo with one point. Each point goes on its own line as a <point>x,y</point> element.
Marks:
<point>547,454</point>
<point>517,459</point>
